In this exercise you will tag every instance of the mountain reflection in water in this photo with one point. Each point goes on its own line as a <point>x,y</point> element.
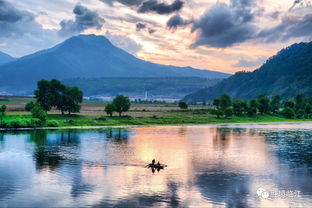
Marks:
<point>208,166</point>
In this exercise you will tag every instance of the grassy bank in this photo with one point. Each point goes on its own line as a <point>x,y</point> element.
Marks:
<point>189,117</point>
<point>92,114</point>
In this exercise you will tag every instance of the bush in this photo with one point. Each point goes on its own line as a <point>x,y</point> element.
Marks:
<point>35,122</point>
<point>183,105</point>
<point>101,118</point>
<point>39,113</point>
<point>52,123</point>
<point>300,114</point>
<point>18,123</point>
<point>29,106</point>
<point>289,112</point>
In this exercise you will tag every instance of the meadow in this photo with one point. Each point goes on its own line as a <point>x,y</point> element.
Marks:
<point>92,114</point>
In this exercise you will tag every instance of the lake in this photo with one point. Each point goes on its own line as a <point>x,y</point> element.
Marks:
<point>246,165</point>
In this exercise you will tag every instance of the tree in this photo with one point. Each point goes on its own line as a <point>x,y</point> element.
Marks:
<point>239,107</point>
<point>122,104</point>
<point>3,109</point>
<point>275,103</point>
<point>308,109</point>
<point>228,112</point>
<point>43,95</point>
<point>289,112</point>
<point>289,104</point>
<point>300,102</point>
<point>70,100</point>
<point>253,107</point>
<point>183,105</point>
<point>264,104</point>
<point>225,101</point>
<point>29,106</point>
<point>109,109</point>
<point>39,113</point>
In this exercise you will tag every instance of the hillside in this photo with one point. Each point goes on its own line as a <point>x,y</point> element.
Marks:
<point>170,87</point>
<point>87,56</point>
<point>5,58</point>
<point>287,73</point>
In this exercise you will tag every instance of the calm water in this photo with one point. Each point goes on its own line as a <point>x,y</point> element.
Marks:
<point>208,166</point>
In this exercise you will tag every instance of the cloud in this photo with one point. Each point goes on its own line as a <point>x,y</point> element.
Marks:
<point>139,26</point>
<point>177,21</point>
<point>224,25</point>
<point>124,43</point>
<point>84,19</point>
<point>20,34</point>
<point>124,2</point>
<point>160,8</point>
<point>300,3</point>
<point>151,31</point>
<point>248,63</point>
<point>290,27</point>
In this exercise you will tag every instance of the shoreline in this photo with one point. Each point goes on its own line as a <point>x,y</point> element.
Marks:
<point>150,125</point>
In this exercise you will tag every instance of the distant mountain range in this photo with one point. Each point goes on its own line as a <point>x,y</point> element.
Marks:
<point>5,58</point>
<point>86,56</point>
<point>287,73</point>
<point>154,88</point>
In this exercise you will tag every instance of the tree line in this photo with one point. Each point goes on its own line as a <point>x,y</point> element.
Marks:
<point>299,107</point>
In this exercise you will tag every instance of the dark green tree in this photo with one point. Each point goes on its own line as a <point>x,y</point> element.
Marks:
<point>300,102</point>
<point>122,104</point>
<point>289,104</point>
<point>225,101</point>
<point>252,107</point>
<point>264,104</point>
<point>183,105</point>
<point>239,107</point>
<point>70,100</point>
<point>228,112</point>
<point>43,95</point>
<point>275,103</point>
<point>3,109</point>
<point>29,106</point>
<point>289,112</point>
<point>308,109</point>
<point>109,109</point>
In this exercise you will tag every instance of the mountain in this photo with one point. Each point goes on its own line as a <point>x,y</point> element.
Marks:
<point>87,56</point>
<point>155,87</point>
<point>287,73</point>
<point>5,58</point>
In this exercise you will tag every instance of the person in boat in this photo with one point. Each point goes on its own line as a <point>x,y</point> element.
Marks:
<point>153,162</point>
<point>158,164</point>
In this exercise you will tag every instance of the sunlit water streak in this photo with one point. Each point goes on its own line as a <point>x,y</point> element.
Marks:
<point>208,166</point>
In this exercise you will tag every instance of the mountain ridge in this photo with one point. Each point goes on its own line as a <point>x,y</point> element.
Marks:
<point>87,56</point>
<point>5,58</point>
<point>287,73</point>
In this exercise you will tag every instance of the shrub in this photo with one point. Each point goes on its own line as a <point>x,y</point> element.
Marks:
<point>35,122</point>
<point>18,123</point>
<point>39,113</point>
<point>101,118</point>
<point>29,106</point>
<point>183,105</point>
<point>52,123</point>
<point>300,114</point>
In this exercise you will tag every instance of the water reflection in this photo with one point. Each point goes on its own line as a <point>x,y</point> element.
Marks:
<point>207,166</point>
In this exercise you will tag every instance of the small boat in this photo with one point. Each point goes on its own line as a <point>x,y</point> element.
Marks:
<point>156,166</point>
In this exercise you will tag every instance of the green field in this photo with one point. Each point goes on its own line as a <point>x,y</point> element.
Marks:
<point>92,114</point>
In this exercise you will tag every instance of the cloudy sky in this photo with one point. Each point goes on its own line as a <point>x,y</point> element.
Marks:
<point>221,35</point>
